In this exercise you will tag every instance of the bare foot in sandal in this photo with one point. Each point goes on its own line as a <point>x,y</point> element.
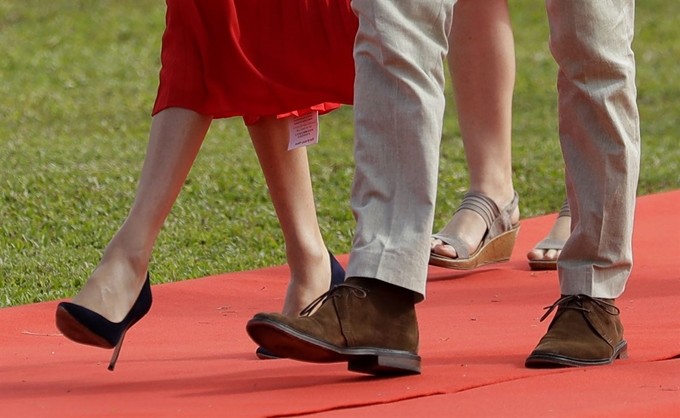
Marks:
<point>479,233</point>
<point>544,255</point>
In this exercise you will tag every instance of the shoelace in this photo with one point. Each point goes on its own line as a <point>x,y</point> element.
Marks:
<point>564,300</point>
<point>357,291</point>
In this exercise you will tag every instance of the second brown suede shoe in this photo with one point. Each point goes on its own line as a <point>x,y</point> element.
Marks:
<point>586,331</point>
<point>368,323</point>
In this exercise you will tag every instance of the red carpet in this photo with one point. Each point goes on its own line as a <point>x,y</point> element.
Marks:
<point>191,355</point>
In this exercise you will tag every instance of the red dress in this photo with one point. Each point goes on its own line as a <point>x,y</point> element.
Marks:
<point>254,58</point>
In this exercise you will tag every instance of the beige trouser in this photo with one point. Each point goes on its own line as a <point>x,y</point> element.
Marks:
<point>600,136</point>
<point>398,110</point>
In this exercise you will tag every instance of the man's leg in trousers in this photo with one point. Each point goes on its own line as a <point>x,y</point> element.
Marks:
<point>599,132</point>
<point>600,135</point>
<point>399,105</point>
<point>370,320</point>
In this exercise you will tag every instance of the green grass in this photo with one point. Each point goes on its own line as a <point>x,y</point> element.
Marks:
<point>77,82</point>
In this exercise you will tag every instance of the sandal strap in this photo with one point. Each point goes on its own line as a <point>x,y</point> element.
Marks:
<point>461,247</point>
<point>564,211</point>
<point>550,244</point>
<point>497,221</point>
<point>482,205</point>
<point>503,223</point>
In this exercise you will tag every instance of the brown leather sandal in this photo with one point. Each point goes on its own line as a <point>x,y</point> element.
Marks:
<point>550,244</point>
<point>498,241</point>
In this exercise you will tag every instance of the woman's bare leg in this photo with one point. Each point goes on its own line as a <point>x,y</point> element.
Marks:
<point>290,187</point>
<point>174,141</point>
<point>482,65</point>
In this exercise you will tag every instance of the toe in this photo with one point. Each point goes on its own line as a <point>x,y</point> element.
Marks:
<point>445,250</point>
<point>543,255</point>
<point>535,255</point>
<point>435,242</point>
<point>550,255</point>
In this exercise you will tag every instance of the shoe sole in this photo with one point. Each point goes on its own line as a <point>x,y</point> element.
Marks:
<point>75,331</point>
<point>540,265</point>
<point>548,361</point>
<point>287,342</point>
<point>263,354</point>
<point>265,357</point>
<point>498,250</point>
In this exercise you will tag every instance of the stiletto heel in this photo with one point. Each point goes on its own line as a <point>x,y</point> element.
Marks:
<point>116,351</point>
<point>337,278</point>
<point>85,326</point>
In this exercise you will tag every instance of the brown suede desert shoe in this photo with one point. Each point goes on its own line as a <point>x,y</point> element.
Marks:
<point>585,331</point>
<point>368,323</point>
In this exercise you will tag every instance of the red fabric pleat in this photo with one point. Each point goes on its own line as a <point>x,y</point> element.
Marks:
<point>256,57</point>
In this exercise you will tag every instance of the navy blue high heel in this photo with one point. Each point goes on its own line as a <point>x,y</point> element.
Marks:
<point>337,272</point>
<point>84,326</point>
<point>337,277</point>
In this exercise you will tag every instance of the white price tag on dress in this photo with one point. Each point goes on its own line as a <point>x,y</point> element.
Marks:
<point>303,130</point>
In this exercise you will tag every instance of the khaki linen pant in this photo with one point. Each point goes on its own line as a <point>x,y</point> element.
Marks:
<point>398,114</point>
<point>600,137</point>
<point>399,103</point>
